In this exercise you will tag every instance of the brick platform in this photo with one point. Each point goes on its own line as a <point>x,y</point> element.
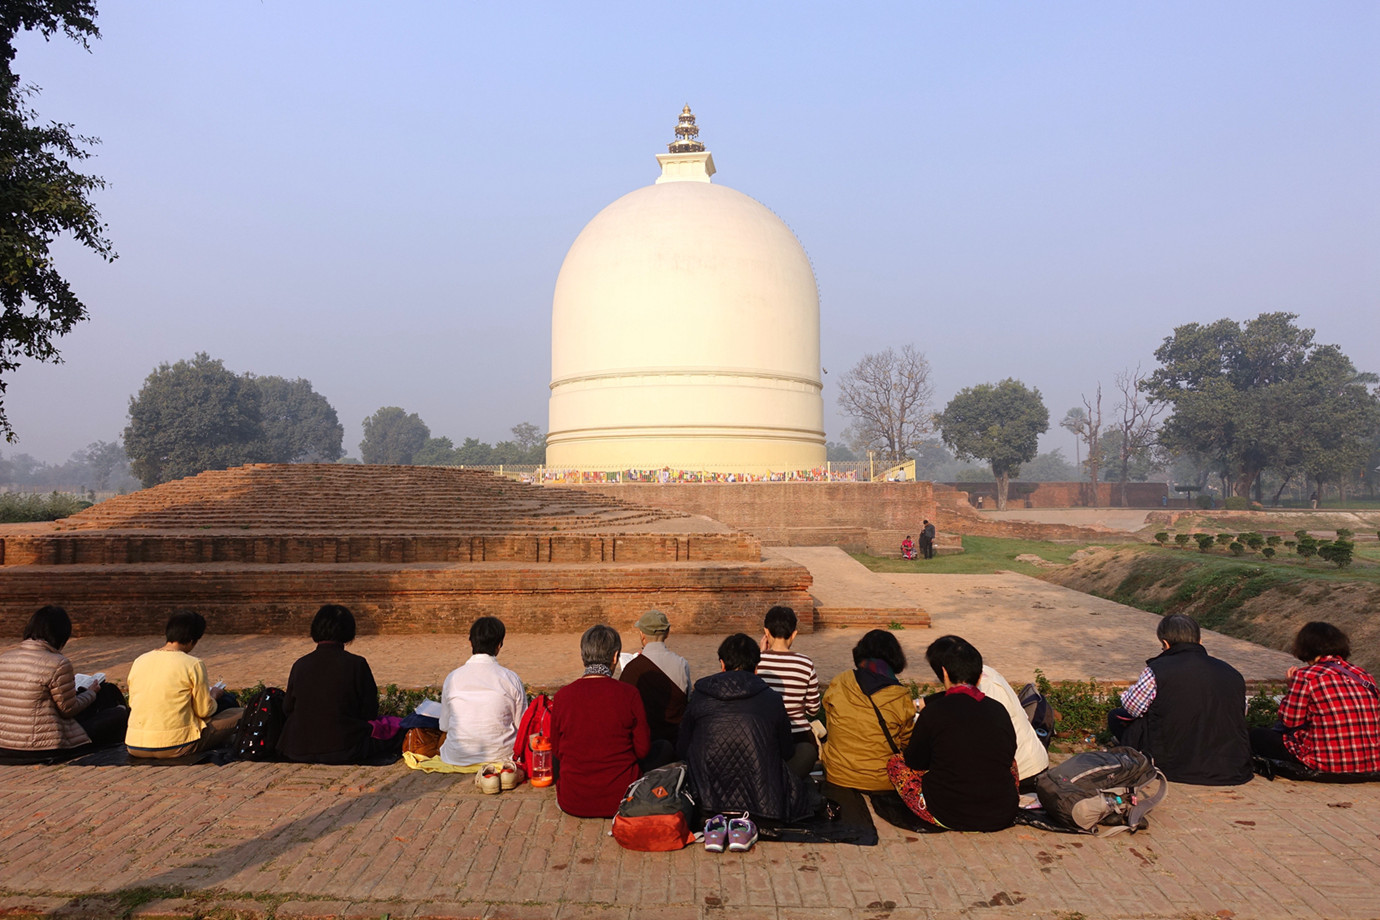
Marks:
<point>408,549</point>
<point>843,514</point>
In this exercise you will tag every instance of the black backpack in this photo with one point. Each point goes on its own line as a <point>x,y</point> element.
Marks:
<point>1102,792</point>
<point>256,735</point>
<point>1041,715</point>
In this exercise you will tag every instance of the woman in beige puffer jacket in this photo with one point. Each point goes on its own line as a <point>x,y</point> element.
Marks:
<point>39,700</point>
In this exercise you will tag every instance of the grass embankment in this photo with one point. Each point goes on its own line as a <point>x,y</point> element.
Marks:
<point>1250,597</point>
<point>980,556</point>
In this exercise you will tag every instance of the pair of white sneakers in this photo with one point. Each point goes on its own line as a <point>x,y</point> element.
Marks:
<point>738,834</point>
<point>499,776</point>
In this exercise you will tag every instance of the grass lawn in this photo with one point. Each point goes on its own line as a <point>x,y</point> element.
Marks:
<point>980,556</point>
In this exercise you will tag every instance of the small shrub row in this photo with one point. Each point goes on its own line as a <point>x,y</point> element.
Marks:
<point>17,509</point>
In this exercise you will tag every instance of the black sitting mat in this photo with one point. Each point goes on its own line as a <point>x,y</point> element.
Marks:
<point>1038,819</point>
<point>1289,769</point>
<point>894,811</point>
<point>853,823</point>
<point>10,758</point>
<point>118,756</point>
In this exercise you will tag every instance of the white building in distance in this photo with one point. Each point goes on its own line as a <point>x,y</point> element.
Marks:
<point>685,332</point>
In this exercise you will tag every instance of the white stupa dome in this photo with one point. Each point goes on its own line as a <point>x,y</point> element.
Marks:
<point>685,332</point>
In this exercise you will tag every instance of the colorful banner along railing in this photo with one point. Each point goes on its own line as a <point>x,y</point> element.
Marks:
<point>667,475</point>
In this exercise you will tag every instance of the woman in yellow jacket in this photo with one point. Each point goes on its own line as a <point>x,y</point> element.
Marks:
<point>856,749</point>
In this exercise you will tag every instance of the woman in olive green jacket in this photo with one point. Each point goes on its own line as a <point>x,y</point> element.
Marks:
<point>856,749</point>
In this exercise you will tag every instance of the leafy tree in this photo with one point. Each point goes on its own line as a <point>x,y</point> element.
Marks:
<point>1086,425</point>
<point>193,416</point>
<point>886,395</point>
<point>1051,466</point>
<point>435,452</point>
<point>106,461</point>
<point>1000,423</point>
<point>393,436</point>
<point>1262,394</point>
<point>42,197</point>
<point>838,453</point>
<point>299,424</point>
<point>530,442</point>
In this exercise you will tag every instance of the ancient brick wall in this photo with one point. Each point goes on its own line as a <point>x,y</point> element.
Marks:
<point>719,597</point>
<point>791,513</point>
<point>259,548</point>
<point>1067,494</point>
<point>133,548</point>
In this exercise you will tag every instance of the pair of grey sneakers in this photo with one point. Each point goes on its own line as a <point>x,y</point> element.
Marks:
<point>737,834</point>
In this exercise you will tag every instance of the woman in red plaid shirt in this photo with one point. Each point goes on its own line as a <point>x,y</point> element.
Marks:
<point>1329,719</point>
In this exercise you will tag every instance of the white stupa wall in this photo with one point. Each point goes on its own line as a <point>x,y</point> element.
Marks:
<point>685,333</point>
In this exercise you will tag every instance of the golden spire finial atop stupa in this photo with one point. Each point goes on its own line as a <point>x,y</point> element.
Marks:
<point>687,134</point>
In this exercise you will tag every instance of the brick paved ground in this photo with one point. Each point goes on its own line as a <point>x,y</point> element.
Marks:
<point>293,841</point>
<point>281,841</point>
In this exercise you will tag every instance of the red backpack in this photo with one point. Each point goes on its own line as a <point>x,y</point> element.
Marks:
<point>535,721</point>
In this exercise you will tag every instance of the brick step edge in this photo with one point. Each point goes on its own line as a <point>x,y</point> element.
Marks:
<point>878,617</point>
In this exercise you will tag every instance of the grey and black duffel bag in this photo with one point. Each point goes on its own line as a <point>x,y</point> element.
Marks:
<point>1102,792</point>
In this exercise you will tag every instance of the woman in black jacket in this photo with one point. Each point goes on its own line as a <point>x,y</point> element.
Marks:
<point>331,699</point>
<point>960,764</point>
<point>736,739</point>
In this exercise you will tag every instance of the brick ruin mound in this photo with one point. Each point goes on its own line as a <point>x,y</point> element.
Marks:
<point>336,498</point>
<point>328,513</point>
<point>409,549</point>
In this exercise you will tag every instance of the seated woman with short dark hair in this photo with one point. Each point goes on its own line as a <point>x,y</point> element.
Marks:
<point>1330,714</point>
<point>857,704</point>
<point>173,707</point>
<point>960,764</point>
<point>599,732</point>
<point>42,714</point>
<point>331,699</point>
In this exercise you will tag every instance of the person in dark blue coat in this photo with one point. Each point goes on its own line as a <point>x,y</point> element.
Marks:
<point>736,739</point>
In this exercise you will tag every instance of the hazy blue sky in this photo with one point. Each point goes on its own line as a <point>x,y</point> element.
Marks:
<point>378,197</point>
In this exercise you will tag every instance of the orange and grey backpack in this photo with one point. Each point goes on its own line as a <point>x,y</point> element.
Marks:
<point>657,812</point>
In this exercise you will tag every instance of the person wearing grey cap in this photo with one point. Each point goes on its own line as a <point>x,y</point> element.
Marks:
<point>661,677</point>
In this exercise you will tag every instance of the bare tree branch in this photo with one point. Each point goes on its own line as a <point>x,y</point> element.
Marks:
<point>887,395</point>
<point>1138,424</point>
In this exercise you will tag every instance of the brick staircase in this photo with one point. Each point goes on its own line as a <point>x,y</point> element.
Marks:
<point>410,549</point>
<point>336,498</point>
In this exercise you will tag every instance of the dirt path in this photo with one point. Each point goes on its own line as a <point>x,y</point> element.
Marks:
<point>1021,623</point>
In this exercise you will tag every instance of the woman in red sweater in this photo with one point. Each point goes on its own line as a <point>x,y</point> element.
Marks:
<point>598,732</point>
